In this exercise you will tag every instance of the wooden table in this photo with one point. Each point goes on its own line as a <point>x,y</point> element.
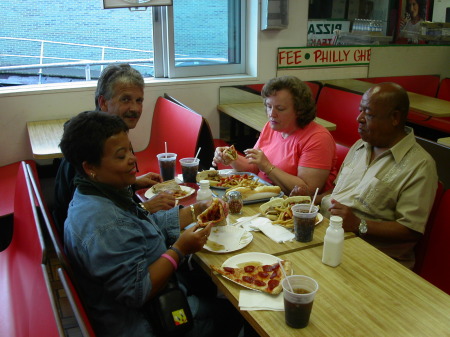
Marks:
<point>369,294</point>
<point>429,106</point>
<point>254,115</point>
<point>261,243</point>
<point>45,137</point>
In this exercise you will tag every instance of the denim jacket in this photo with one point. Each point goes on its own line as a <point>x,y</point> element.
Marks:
<point>110,250</point>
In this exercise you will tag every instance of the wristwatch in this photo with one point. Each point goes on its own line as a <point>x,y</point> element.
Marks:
<point>362,229</point>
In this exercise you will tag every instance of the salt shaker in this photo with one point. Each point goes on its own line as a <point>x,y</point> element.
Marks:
<point>235,203</point>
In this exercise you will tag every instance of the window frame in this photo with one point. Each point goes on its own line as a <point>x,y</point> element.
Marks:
<point>164,45</point>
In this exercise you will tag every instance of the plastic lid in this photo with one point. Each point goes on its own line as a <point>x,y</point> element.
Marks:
<point>337,220</point>
<point>204,182</point>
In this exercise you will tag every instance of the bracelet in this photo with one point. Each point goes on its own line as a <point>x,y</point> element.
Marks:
<point>270,170</point>
<point>171,260</point>
<point>179,253</point>
<point>194,219</point>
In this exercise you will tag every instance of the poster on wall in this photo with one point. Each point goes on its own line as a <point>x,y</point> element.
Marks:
<point>301,57</point>
<point>411,14</point>
<point>322,32</point>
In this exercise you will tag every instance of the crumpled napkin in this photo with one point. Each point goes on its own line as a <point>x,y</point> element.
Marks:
<point>248,225</point>
<point>255,300</point>
<point>275,232</point>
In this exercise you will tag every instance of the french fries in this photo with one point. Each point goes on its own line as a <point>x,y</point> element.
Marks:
<point>238,180</point>
<point>279,210</point>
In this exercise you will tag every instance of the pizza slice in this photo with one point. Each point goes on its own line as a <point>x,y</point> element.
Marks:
<point>230,153</point>
<point>214,214</point>
<point>266,278</point>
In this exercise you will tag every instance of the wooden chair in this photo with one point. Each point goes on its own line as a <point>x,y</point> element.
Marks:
<point>8,174</point>
<point>341,108</point>
<point>174,124</point>
<point>436,262</point>
<point>28,306</point>
<point>76,304</point>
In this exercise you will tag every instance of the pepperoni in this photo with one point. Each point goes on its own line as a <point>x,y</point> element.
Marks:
<point>267,268</point>
<point>248,279</point>
<point>249,269</point>
<point>229,270</point>
<point>263,274</point>
<point>272,284</point>
<point>274,274</point>
<point>260,283</point>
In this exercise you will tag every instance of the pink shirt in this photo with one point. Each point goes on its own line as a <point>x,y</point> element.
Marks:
<point>312,146</point>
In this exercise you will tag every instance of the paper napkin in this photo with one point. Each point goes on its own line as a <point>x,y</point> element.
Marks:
<point>255,300</point>
<point>227,236</point>
<point>275,232</point>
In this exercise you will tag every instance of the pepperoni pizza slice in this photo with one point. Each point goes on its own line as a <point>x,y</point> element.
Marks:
<point>266,278</point>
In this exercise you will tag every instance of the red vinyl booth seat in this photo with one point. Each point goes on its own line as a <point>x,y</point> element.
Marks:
<point>444,89</point>
<point>174,124</point>
<point>420,84</point>
<point>341,108</point>
<point>27,305</point>
<point>8,176</point>
<point>436,263</point>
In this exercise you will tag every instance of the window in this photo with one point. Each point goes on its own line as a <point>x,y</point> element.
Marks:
<point>61,42</point>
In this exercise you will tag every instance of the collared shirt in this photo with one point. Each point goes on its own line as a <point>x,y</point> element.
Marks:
<point>399,185</point>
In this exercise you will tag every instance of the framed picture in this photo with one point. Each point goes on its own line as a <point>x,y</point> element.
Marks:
<point>411,14</point>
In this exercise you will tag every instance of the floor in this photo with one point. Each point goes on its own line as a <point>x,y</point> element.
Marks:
<point>68,320</point>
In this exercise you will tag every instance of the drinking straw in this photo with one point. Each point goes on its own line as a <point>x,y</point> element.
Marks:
<point>165,147</point>
<point>285,276</point>
<point>198,152</point>
<point>314,199</point>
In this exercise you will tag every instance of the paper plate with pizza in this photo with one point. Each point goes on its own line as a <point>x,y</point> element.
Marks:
<point>278,210</point>
<point>170,186</point>
<point>256,271</point>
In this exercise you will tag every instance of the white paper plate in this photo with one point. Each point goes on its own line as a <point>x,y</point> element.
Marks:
<point>148,194</point>
<point>319,218</point>
<point>236,260</point>
<point>218,235</point>
<point>263,258</point>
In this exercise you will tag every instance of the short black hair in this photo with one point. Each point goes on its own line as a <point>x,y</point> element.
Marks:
<point>115,73</point>
<point>85,135</point>
<point>304,103</point>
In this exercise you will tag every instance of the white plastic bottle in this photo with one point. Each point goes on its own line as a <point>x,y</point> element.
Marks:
<point>333,242</point>
<point>204,193</point>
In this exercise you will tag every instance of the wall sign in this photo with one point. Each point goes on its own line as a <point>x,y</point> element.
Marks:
<point>321,32</point>
<point>299,57</point>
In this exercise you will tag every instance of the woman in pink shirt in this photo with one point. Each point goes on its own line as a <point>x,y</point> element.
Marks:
<point>292,149</point>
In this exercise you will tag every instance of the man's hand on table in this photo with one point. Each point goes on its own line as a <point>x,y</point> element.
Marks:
<point>350,221</point>
<point>147,180</point>
<point>161,201</point>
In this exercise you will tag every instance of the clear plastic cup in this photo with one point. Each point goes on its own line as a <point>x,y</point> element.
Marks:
<point>304,221</point>
<point>189,168</point>
<point>167,165</point>
<point>298,303</point>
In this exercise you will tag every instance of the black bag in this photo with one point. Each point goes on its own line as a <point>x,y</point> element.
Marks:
<point>169,312</point>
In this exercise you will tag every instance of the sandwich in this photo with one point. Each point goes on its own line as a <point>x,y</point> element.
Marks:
<point>230,153</point>
<point>169,186</point>
<point>260,192</point>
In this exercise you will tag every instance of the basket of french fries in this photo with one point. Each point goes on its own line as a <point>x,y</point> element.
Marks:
<point>278,210</point>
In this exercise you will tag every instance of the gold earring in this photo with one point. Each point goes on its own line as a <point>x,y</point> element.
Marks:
<point>93,175</point>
